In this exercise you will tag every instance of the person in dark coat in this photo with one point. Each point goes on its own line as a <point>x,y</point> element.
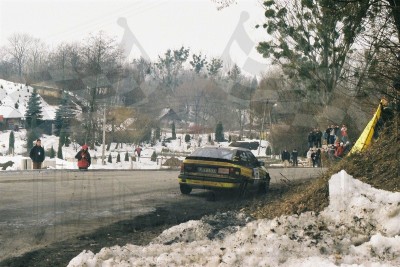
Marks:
<point>285,157</point>
<point>311,139</point>
<point>83,157</point>
<point>295,154</point>
<point>37,155</point>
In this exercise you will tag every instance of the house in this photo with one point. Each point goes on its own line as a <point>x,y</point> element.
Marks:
<point>10,118</point>
<point>167,116</point>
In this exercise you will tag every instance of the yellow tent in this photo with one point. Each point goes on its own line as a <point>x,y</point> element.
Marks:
<point>366,136</point>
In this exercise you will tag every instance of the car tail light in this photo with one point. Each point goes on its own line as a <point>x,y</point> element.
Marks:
<point>234,171</point>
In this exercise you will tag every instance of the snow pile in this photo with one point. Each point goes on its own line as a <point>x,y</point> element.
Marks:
<point>360,227</point>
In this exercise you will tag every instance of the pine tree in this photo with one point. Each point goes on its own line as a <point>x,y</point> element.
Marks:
<point>11,143</point>
<point>59,151</point>
<point>154,156</point>
<point>157,133</point>
<point>64,115</point>
<point>173,131</point>
<point>33,110</point>
<point>219,132</point>
<point>52,153</point>
<point>118,158</point>
<point>62,138</point>
<point>126,156</point>
<point>109,158</point>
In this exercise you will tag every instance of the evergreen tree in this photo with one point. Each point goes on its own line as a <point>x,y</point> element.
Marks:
<point>52,153</point>
<point>62,138</point>
<point>64,115</point>
<point>187,138</point>
<point>173,131</point>
<point>33,110</point>
<point>126,156</point>
<point>109,158</point>
<point>118,158</point>
<point>11,143</point>
<point>59,151</point>
<point>219,132</point>
<point>154,156</point>
<point>157,133</point>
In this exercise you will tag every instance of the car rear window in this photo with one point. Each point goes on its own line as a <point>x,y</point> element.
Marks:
<point>217,153</point>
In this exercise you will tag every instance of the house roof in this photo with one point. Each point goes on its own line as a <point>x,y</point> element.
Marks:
<point>9,112</point>
<point>168,113</point>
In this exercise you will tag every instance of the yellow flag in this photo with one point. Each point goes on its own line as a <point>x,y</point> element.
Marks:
<point>366,136</point>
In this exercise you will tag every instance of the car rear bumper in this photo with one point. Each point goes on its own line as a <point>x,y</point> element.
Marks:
<point>210,182</point>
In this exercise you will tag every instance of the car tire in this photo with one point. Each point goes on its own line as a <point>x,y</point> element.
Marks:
<point>264,186</point>
<point>185,189</point>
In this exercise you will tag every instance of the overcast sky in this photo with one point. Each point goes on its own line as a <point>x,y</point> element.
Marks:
<point>151,27</point>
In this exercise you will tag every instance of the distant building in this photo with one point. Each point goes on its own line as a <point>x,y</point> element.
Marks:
<point>168,116</point>
<point>10,118</point>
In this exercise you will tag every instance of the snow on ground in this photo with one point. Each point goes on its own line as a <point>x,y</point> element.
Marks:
<point>360,227</point>
<point>175,147</point>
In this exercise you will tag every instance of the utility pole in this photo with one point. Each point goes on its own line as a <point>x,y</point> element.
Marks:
<point>103,152</point>
<point>262,127</point>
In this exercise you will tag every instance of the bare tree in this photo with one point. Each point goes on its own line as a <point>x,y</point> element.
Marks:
<point>19,49</point>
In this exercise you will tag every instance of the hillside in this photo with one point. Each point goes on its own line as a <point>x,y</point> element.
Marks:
<point>378,166</point>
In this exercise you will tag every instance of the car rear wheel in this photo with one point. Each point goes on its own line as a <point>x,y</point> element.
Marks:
<point>185,189</point>
<point>264,186</point>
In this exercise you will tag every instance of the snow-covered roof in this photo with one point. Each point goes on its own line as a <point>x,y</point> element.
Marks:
<point>12,93</point>
<point>10,112</point>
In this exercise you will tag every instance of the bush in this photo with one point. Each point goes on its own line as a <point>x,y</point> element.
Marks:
<point>118,158</point>
<point>187,138</point>
<point>109,158</point>
<point>154,156</point>
<point>126,156</point>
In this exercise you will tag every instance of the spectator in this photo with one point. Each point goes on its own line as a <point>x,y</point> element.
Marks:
<point>314,158</point>
<point>311,139</point>
<point>317,138</point>
<point>285,157</point>
<point>318,158</point>
<point>37,155</point>
<point>331,152</point>
<point>138,151</point>
<point>83,157</point>
<point>343,132</point>
<point>332,135</point>
<point>339,150</point>
<point>295,154</point>
<point>309,153</point>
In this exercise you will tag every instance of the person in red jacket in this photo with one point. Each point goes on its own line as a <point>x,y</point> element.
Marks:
<point>83,158</point>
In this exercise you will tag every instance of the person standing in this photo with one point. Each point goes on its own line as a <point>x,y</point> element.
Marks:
<point>285,157</point>
<point>37,155</point>
<point>308,155</point>
<point>318,137</point>
<point>83,157</point>
<point>138,150</point>
<point>295,154</point>
<point>343,132</point>
<point>311,139</point>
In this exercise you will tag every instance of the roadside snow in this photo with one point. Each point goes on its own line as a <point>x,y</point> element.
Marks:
<point>360,227</point>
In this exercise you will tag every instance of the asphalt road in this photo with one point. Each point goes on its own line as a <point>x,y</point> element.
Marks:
<point>38,208</point>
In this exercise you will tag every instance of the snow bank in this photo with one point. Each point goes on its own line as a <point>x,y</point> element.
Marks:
<point>360,227</point>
